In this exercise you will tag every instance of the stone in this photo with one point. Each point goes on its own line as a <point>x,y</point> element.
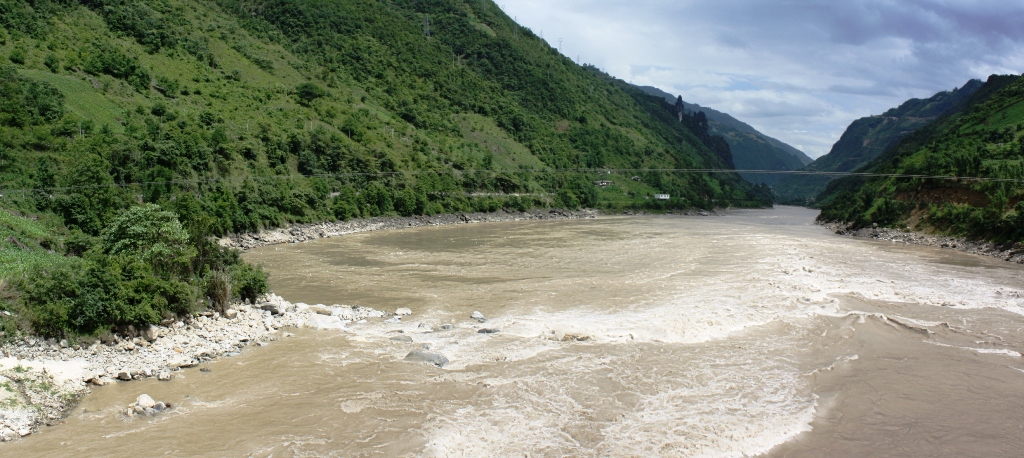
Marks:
<point>428,357</point>
<point>145,401</point>
<point>124,374</point>
<point>321,309</point>
<point>8,434</point>
<point>274,307</point>
<point>403,312</point>
<point>164,375</point>
<point>160,407</point>
<point>488,331</point>
<point>444,327</point>
<point>150,333</point>
<point>324,322</point>
<point>478,316</point>
<point>401,339</point>
<point>230,314</point>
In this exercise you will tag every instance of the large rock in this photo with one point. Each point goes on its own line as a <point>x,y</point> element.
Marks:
<point>274,307</point>
<point>403,311</point>
<point>324,322</point>
<point>401,339</point>
<point>145,401</point>
<point>321,309</point>
<point>230,314</point>
<point>150,333</point>
<point>428,357</point>
<point>478,316</point>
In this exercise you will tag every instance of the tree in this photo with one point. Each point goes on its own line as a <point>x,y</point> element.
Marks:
<point>151,235</point>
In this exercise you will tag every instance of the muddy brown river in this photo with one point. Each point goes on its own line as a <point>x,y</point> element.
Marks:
<point>754,333</point>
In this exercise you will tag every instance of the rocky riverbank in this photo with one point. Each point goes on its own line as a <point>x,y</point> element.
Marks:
<point>1011,254</point>
<point>42,380</point>
<point>307,232</point>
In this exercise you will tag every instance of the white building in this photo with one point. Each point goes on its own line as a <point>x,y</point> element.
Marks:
<point>661,197</point>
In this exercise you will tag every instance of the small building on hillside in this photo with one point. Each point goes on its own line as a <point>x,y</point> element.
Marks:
<point>661,197</point>
<point>604,183</point>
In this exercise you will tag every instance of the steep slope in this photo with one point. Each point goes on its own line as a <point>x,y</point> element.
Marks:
<point>751,149</point>
<point>867,138</point>
<point>982,138</point>
<point>233,116</point>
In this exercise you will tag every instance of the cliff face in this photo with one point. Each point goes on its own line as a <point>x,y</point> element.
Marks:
<point>750,149</point>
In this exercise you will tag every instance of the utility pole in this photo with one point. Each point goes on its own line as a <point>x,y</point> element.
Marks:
<point>426,25</point>
<point>559,45</point>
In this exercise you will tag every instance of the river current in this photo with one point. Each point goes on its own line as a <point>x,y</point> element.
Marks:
<point>752,333</point>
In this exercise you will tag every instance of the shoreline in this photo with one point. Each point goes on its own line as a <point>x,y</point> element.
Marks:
<point>313,231</point>
<point>989,249</point>
<point>41,381</point>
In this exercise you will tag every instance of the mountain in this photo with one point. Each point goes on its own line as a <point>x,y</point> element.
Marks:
<point>131,131</point>
<point>751,149</point>
<point>869,137</point>
<point>980,137</point>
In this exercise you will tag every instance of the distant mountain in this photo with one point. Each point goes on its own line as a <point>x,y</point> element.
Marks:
<point>980,136</point>
<point>867,138</point>
<point>751,150</point>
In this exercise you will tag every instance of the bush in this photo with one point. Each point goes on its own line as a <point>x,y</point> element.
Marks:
<point>248,281</point>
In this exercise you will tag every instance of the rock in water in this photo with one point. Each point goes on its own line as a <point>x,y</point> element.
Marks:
<point>401,339</point>
<point>145,401</point>
<point>423,356</point>
<point>403,312</point>
<point>488,331</point>
<point>164,375</point>
<point>478,316</point>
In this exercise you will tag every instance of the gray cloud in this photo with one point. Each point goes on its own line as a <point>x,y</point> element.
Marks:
<point>799,70</point>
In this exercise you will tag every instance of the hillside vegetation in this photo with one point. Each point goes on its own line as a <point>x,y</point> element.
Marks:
<point>127,125</point>
<point>867,138</point>
<point>982,138</point>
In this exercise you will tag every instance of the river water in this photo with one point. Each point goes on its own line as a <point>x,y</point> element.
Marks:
<point>752,333</point>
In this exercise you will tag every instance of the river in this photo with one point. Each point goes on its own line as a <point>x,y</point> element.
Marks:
<point>752,333</point>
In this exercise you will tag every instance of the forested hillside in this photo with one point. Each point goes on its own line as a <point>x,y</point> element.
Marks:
<point>867,138</point>
<point>983,138</point>
<point>133,131</point>
<point>751,149</point>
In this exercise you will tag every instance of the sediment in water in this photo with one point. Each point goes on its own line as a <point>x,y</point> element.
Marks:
<point>41,381</point>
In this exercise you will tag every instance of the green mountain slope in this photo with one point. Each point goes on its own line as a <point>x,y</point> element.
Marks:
<point>982,138</point>
<point>751,149</point>
<point>233,116</point>
<point>867,138</point>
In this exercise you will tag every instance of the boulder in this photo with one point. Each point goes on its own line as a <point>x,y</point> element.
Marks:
<point>428,357</point>
<point>145,401</point>
<point>324,322</point>
<point>164,375</point>
<point>150,333</point>
<point>274,307</point>
<point>124,374</point>
<point>478,316</point>
<point>8,435</point>
<point>401,339</point>
<point>321,309</point>
<point>488,331</point>
<point>230,314</point>
<point>403,311</point>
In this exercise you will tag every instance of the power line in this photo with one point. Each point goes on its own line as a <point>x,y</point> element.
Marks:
<point>522,171</point>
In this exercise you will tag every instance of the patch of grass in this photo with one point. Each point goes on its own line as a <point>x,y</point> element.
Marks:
<point>82,99</point>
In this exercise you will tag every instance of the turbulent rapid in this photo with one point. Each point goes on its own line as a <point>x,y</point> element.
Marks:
<point>752,333</point>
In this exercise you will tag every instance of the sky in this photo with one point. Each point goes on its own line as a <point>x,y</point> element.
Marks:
<point>797,70</point>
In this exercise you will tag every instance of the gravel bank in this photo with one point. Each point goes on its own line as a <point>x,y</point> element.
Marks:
<point>307,232</point>
<point>42,380</point>
<point>1007,253</point>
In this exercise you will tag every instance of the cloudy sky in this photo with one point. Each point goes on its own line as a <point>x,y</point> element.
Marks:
<point>798,70</point>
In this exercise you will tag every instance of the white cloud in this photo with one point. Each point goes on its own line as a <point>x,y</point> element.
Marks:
<point>798,70</point>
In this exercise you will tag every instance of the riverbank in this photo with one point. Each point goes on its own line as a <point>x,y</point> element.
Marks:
<point>1013,254</point>
<point>41,381</point>
<point>309,232</point>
